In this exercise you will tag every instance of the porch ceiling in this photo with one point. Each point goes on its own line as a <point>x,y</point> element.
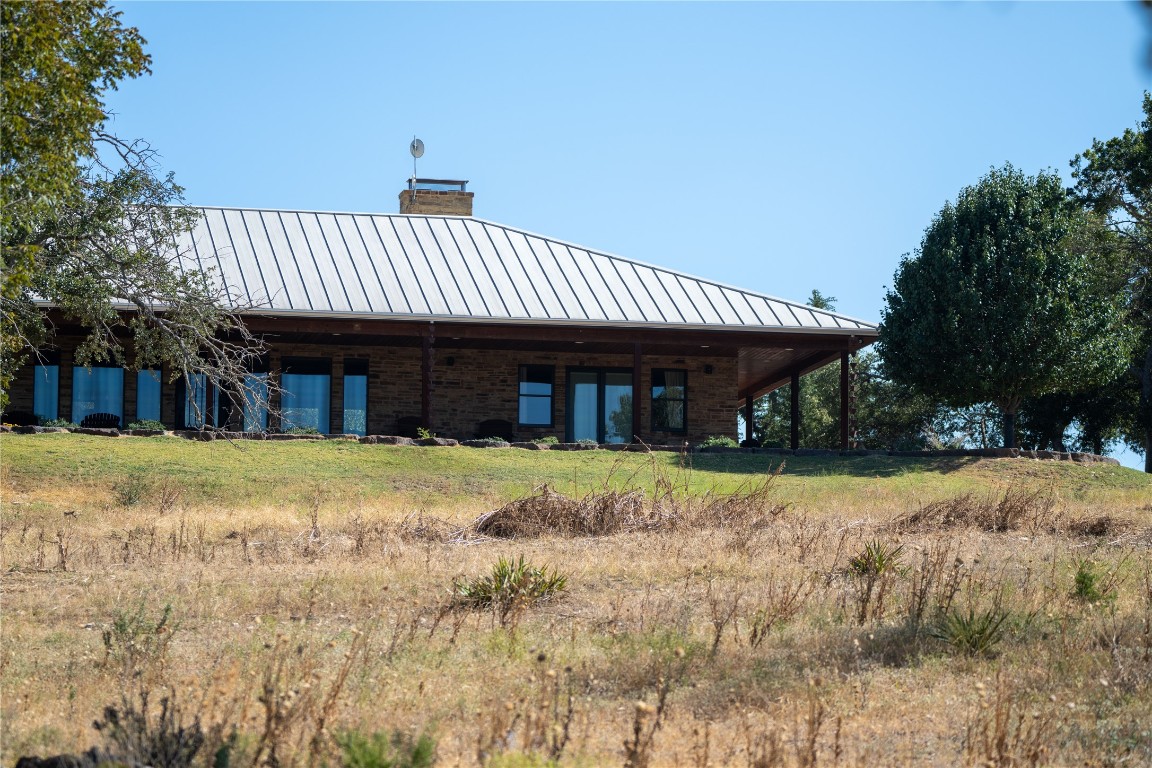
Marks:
<point>765,361</point>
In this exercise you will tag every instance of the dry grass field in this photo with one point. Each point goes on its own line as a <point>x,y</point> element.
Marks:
<point>306,603</point>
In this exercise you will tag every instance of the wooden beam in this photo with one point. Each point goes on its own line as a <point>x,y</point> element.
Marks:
<point>636,390</point>
<point>805,365</point>
<point>538,332</point>
<point>795,411</point>
<point>749,418</point>
<point>845,403</point>
<point>426,381</point>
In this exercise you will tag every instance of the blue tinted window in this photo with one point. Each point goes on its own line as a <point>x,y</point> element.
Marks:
<point>356,405</point>
<point>536,394</point>
<point>255,402</point>
<point>305,400</point>
<point>148,395</point>
<point>195,401</point>
<point>97,390</point>
<point>46,391</point>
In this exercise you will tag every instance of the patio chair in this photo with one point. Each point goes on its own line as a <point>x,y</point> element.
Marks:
<point>101,421</point>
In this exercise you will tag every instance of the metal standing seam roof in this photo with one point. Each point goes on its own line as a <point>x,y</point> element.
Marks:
<point>405,266</point>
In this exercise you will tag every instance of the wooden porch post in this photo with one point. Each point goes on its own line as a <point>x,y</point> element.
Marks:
<point>845,403</point>
<point>749,419</point>
<point>426,377</point>
<point>636,389</point>
<point>795,441</point>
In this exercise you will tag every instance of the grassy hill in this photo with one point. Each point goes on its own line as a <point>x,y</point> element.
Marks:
<point>714,610</point>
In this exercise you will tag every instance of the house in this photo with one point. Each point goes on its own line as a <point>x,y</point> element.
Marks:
<point>378,323</point>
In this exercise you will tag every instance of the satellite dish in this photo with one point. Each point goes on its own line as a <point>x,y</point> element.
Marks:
<point>416,147</point>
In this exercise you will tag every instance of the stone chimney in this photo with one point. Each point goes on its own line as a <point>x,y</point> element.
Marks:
<point>436,197</point>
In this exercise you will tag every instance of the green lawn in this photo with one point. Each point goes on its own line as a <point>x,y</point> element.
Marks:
<point>292,472</point>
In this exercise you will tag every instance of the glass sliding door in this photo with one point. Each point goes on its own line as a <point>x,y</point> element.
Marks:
<point>583,406</point>
<point>600,405</point>
<point>617,407</point>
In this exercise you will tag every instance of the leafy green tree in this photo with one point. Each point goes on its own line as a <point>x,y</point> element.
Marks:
<point>88,223</point>
<point>1004,300</point>
<point>890,415</point>
<point>819,403</point>
<point>1114,179</point>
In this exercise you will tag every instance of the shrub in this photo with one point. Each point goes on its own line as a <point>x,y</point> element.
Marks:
<point>547,440</point>
<point>511,586</point>
<point>147,424</point>
<point>136,738</point>
<point>59,423</point>
<point>719,441</point>
<point>1091,586</point>
<point>131,490</point>
<point>381,750</point>
<point>971,633</point>
<point>587,441</point>
<point>302,431</point>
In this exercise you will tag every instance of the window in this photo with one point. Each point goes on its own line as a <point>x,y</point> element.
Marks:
<point>255,397</point>
<point>97,390</point>
<point>148,395</point>
<point>669,400</point>
<point>46,387</point>
<point>192,401</point>
<point>355,396</point>
<point>536,395</point>
<point>306,396</point>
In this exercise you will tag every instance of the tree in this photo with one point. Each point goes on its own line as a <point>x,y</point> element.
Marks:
<point>1114,179</point>
<point>89,225</point>
<point>819,403</point>
<point>1005,299</point>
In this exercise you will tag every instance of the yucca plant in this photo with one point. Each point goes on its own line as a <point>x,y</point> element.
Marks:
<point>876,566</point>
<point>970,632</point>
<point>513,584</point>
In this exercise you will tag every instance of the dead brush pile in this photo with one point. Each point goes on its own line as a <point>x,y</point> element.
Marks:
<point>1032,510</point>
<point>607,511</point>
<point>549,513</point>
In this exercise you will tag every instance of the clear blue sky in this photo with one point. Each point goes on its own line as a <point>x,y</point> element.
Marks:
<point>779,147</point>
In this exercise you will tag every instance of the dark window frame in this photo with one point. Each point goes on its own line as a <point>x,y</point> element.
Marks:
<point>520,379</point>
<point>601,373</point>
<point>652,396</point>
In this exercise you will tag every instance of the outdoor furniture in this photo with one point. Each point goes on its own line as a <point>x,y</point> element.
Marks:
<point>408,426</point>
<point>101,421</point>
<point>495,428</point>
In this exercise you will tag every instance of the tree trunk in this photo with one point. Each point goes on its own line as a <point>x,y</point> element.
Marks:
<point>1009,429</point>
<point>1145,411</point>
